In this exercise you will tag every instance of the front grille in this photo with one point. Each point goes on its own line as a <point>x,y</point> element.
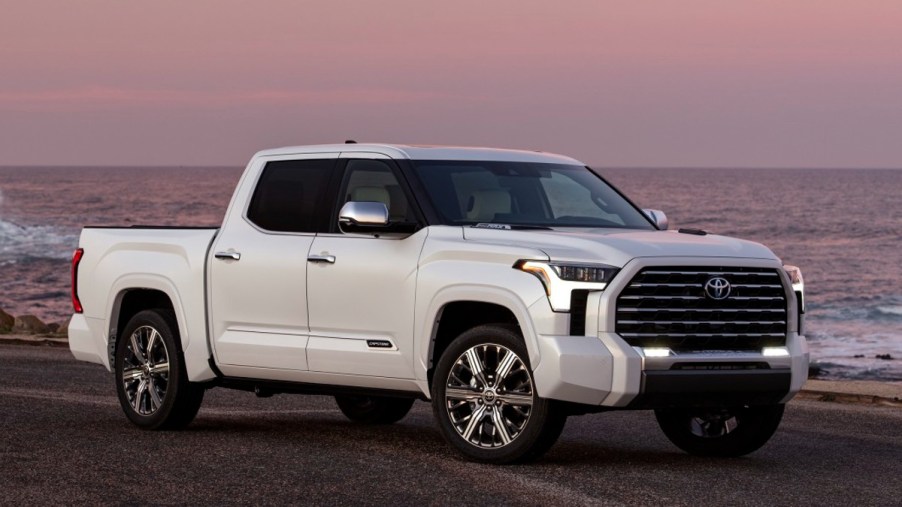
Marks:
<point>668,307</point>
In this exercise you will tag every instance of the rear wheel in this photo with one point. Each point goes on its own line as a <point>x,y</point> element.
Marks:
<point>374,409</point>
<point>151,381</point>
<point>485,400</point>
<point>722,432</point>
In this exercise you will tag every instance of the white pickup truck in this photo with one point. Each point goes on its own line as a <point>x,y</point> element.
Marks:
<point>511,288</point>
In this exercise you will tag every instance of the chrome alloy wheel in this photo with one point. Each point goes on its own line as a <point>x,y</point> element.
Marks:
<point>489,395</point>
<point>145,371</point>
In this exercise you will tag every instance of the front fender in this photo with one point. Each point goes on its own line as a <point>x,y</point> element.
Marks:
<point>475,282</point>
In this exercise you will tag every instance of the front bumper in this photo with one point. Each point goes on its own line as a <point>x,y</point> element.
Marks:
<point>601,369</point>
<point>680,388</point>
<point>606,371</point>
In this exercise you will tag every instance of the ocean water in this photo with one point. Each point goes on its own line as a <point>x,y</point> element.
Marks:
<point>842,227</point>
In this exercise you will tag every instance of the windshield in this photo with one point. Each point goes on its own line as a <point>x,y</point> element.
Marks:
<point>525,194</point>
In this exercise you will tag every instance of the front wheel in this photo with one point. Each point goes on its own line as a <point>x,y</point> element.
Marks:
<point>485,400</point>
<point>151,380</point>
<point>721,432</point>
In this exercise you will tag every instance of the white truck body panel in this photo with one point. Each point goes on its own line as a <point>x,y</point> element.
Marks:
<point>244,331</point>
<point>167,260</point>
<point>410,152</point>
<point>344,313</point>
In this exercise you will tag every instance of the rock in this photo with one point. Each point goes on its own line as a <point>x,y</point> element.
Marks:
<point>814,370</point>
<point>7,322</point>
<point>64,327</point>
<point>29,324</point>
<point>885,357</point>
<point>53,327</point>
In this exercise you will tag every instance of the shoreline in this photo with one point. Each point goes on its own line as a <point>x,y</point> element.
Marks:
<point>868,392</point>
<point>860,392</point>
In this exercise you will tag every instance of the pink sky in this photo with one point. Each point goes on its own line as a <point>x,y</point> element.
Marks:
<point>759,83</point>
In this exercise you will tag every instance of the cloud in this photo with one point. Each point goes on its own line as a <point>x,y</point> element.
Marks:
<point>97,97</point>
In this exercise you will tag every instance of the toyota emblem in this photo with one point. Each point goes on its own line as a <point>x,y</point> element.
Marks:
<point>717,288</point>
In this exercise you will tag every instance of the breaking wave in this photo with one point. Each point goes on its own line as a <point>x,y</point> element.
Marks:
<point>890,310</point>
<point>882,309</point>
<point>20,242</point>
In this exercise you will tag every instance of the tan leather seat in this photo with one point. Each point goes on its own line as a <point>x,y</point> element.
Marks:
<point>372,194</point>
<point>483,205</point>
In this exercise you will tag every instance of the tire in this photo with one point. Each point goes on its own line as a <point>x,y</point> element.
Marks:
<point>725,432</point>
<point>513,423</point>
<point>374,409</point>
<point>152,384</point>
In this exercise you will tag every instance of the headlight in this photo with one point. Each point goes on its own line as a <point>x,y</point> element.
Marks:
<point>798,284</point>
<point>584,273</point>
<point>561,278</point>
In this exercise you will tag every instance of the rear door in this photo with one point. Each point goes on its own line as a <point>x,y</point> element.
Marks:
<point>258,275</point>
<point>361,287</point>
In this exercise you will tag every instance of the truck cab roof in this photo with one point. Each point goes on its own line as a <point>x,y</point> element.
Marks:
<point>422,152</point>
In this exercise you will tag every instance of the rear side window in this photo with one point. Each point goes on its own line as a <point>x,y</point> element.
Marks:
<point>288,195</point>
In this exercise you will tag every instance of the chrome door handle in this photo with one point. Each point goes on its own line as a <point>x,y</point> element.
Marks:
<point>321,258</point>
<point>231,254</point>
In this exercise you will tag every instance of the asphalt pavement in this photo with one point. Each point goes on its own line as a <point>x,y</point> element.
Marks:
<point>64,440</point>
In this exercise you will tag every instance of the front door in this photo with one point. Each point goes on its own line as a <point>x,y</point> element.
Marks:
<point>362,304</point>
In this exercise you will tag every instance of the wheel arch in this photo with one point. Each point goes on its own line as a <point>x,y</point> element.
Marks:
<point>134,296</point>
<point>458,309</point>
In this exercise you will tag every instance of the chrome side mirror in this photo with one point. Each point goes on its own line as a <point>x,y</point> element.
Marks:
<point>363,213</point>
<point>658,217</point>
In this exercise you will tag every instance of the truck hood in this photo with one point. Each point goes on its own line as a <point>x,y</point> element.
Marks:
<point>616,247</point>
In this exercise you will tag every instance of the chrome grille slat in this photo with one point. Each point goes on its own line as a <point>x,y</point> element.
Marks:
<point>662,297</point>
<point>702,322</point>
<point>680,285</point>
<point>706,335</point>
<point>712,273</point>
<point>667,307</point>
<point>735,298</point>
<point>749,310</point>
<point>637,285</point>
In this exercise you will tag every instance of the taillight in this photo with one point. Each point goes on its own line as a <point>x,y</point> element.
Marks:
<point>76,258</point>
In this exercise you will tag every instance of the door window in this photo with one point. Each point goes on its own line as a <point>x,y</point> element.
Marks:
<point>374,181</point>
<point>288,195</point>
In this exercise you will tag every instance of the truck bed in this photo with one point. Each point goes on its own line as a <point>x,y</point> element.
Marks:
<point>118,260</point>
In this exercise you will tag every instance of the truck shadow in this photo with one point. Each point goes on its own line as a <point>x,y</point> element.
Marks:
<point>418,436</point>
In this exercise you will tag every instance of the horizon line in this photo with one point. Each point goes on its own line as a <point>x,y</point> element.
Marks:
<point>616,167</point>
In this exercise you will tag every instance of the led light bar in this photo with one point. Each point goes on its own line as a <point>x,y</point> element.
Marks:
<point>775,352</point>
<point>657,352</point>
